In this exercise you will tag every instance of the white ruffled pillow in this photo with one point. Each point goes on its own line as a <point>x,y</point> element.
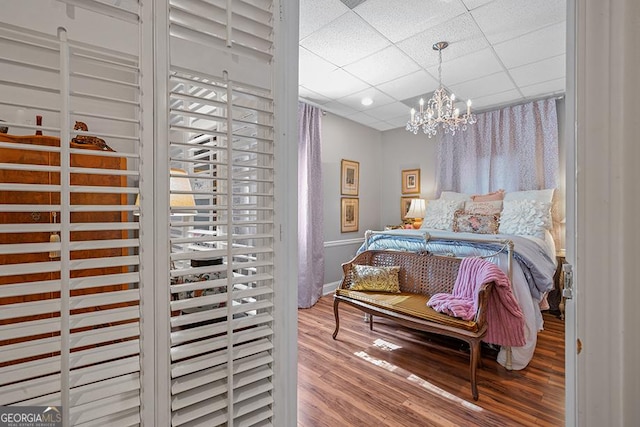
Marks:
<point>538,195</point>
<point>452,195</point>
<point>439,214</point>
<point>525,217</point>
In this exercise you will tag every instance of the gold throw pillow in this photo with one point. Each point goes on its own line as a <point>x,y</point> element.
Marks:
<point>368,278</point>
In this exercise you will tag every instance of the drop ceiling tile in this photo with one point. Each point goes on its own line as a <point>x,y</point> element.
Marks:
<point>495,101</point>
<point>541,44</point>
<point>503,20</point>
<point>472,4</point>
<point>345,40</point>
<point>411,85</point>
<point>339,108</point>
<point>400,121</point>
<point>382,126</point>
<point>388,111</point>
<point>400,19</point>
<point>461,32</point>
<point>495,83</point>
<point>468,67</point>
<point>336,84</point>
<point>312,96</point>
<point>311,66</point>
<point>383,66</point>
<point>550,87</point>
<point>315,14</point>
<point>362,118</point>
<point>354,100</point>
<point>538,72</point>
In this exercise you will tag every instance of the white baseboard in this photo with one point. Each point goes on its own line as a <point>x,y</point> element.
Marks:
<point>330,288</point>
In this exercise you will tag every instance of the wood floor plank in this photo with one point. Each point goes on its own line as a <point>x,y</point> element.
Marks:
<point>391,377</point>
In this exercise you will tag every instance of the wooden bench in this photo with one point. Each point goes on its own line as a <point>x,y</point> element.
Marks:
<point>421,275</point>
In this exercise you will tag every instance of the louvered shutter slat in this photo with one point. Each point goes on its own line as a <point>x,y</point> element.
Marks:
<point>29,389</point>
<point>120,419</point>
<point>24,371</point>
<point>104,353</point>
<point>124,401</point>
<point>111,369</point>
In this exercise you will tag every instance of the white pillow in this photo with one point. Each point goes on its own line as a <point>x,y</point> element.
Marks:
<point>484,208</point>
<point>452,195</point>
<point>525,217</point>
<point>545,196</point>
<point>439,214</point>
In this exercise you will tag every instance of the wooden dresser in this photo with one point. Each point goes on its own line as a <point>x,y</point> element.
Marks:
<point>15,175</point>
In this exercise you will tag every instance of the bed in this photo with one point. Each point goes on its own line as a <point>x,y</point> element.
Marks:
<point>533,258</point>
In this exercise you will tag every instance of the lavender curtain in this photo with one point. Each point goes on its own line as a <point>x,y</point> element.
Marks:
<point>310,220</point>
<point>515,148</point>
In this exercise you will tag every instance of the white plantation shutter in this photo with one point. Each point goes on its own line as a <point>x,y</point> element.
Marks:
<point>221,135</point>
<point>69,276</point>
<point>146,312</point>
<point>243,26</point>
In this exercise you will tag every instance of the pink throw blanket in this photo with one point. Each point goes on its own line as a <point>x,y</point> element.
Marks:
<point>505,321</point>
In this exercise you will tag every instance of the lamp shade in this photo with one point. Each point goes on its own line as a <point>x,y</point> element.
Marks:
<point>180,194</point>
<point>417,209</point>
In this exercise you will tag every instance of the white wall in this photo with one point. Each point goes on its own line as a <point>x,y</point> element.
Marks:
<point>344,139</point>
<point>403,150</point>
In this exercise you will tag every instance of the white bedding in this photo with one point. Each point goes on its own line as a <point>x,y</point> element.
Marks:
<point>529,304</point>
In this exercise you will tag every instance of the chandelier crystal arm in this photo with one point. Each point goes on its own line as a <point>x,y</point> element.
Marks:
<point>440,108</point>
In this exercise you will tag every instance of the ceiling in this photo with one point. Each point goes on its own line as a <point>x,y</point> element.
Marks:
<point>500,52</point>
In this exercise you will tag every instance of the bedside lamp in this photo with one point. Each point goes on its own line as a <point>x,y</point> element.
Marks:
<point>180,194</point>
<point>417,211</point>
<point>181,197</point>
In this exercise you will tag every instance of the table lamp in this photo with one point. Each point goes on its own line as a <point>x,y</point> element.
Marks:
<point>417,211</point>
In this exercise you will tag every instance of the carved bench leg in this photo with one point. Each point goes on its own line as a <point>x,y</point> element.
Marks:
<point>475,356</point>
<point>335,313</point>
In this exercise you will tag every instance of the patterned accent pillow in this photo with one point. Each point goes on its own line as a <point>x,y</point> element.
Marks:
<point>439,214</point>
<point>369,278</point>
<point>465,222</point>
<point>525,217</point>
<point>484,208</point>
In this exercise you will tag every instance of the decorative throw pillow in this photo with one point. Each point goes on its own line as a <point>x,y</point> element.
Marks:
<point>489,197</point>
<point>475,223</point>
<point>439,214</point>
<point>369,278</point>
<point>484,208</point>
<point>525,217</point>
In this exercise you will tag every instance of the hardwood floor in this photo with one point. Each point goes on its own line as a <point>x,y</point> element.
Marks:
<point>389,377</point>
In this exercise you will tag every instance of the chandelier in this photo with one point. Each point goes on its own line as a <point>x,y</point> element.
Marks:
<point>440,109</point>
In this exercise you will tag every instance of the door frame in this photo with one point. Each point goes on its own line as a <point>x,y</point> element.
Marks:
<point>602,221</point>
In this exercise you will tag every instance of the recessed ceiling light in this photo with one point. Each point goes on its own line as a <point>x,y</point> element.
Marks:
<point>367,101</point>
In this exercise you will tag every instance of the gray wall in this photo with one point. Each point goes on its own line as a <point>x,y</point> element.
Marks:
<point>403,150</point>
<point>345,139</point>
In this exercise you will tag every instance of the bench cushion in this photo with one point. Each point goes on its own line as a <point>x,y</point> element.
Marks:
<point>410,304</point>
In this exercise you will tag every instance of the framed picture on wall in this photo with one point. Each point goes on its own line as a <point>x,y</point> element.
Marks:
<point>405,203</point>
<point>349,177</point>
<point>349,214</point>
<point>411,181</point>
